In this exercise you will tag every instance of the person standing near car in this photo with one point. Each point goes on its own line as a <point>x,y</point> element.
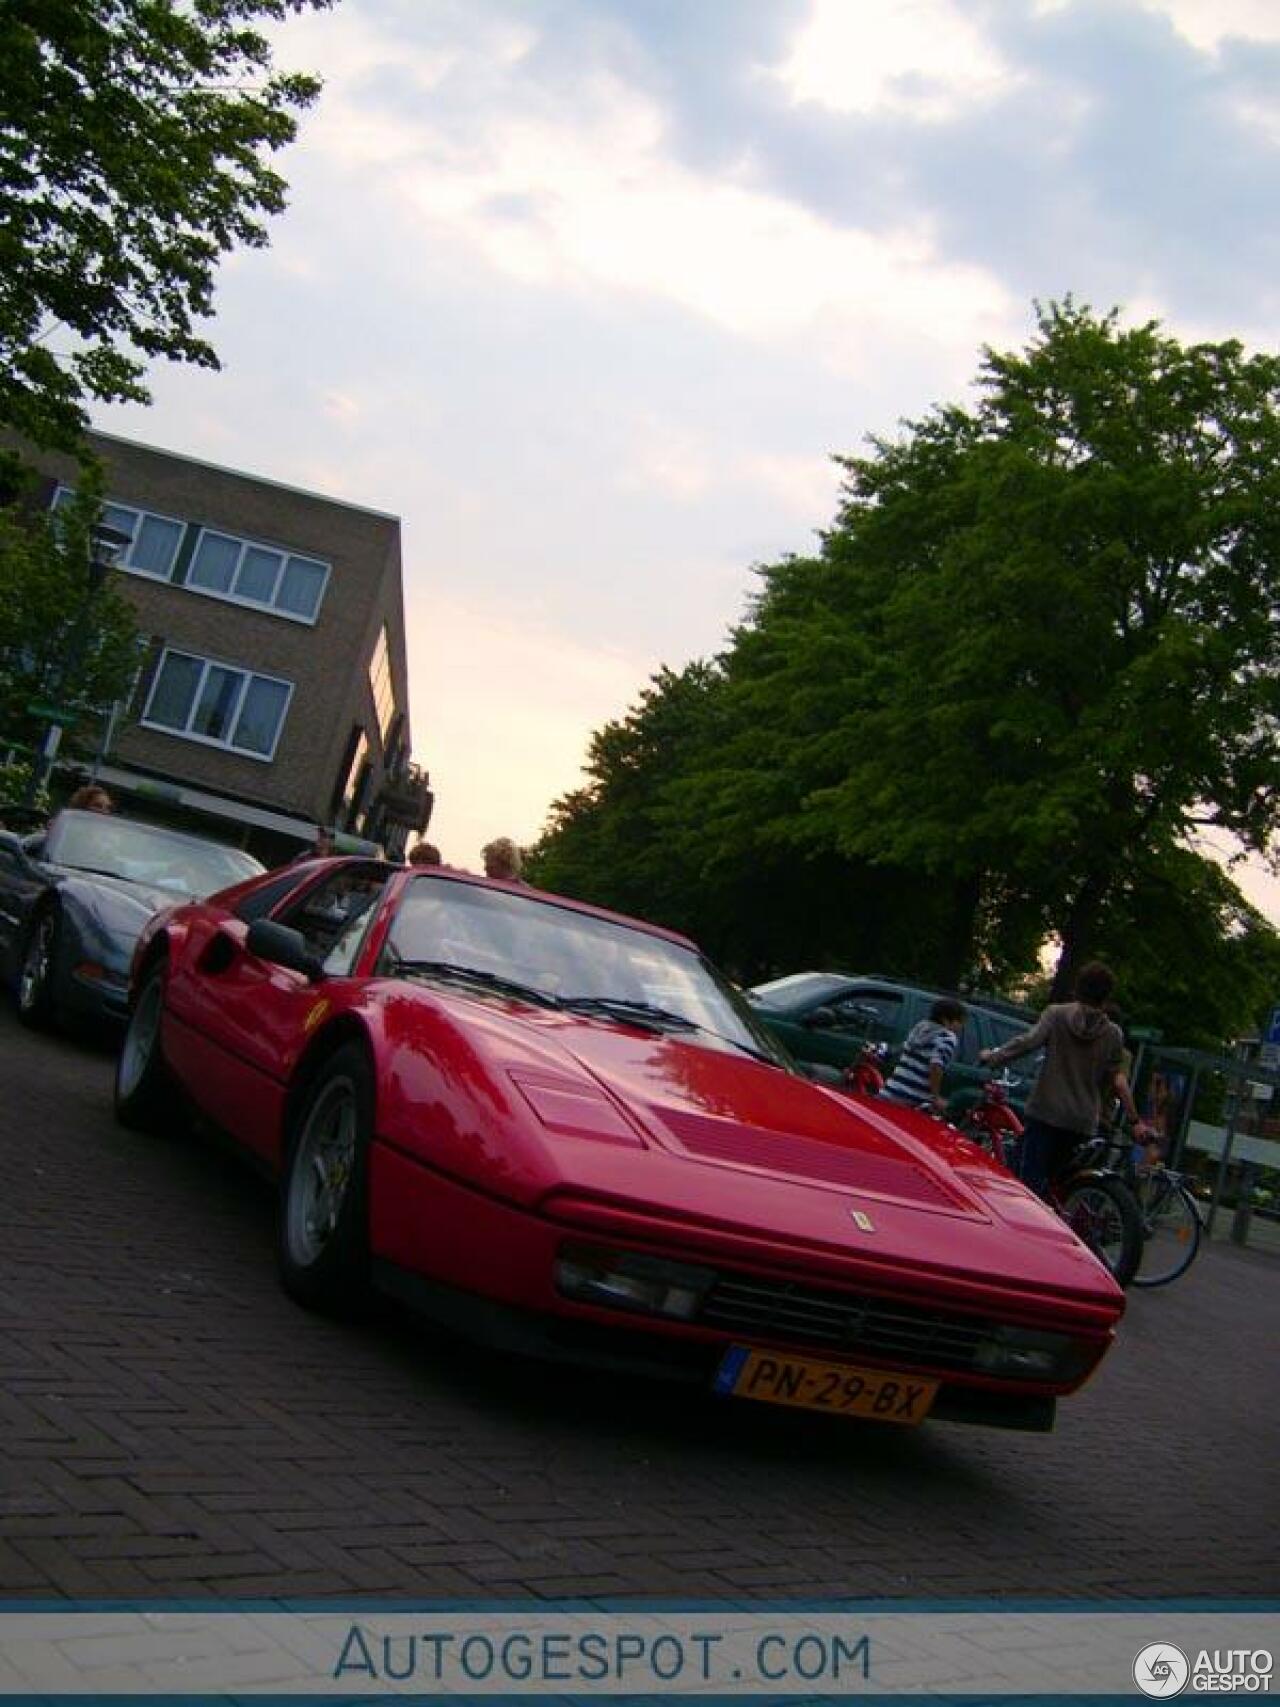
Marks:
<point>1084,1059</point>
<point>926,1055</point>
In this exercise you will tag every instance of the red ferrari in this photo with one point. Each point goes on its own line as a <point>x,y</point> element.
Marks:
<point>561,1131</point>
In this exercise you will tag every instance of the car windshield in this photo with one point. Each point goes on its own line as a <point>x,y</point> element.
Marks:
<point>530,944</point>
<point>145,853</point>
<point>798,990</point>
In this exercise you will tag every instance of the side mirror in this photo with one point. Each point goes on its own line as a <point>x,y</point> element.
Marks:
<point>283,946</point>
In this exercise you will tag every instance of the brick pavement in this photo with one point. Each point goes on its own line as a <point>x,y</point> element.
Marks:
<point>171,1424</point>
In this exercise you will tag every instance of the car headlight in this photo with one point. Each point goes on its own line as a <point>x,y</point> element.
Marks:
<point>1034,1352</point>
<point>630,1280</point>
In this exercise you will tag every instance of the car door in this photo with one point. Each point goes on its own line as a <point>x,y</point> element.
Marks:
<point>835,1032</point>
<point>244,1021</point>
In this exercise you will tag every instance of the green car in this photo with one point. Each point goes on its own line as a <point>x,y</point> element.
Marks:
<point>825,1018</point>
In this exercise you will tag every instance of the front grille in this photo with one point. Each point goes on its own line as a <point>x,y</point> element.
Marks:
<point>843,1321</point>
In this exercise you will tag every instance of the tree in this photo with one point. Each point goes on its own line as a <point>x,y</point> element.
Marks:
<point>1040,641</point>
<point>684,819</point>
<point>1192,956</point>
<point>134,137</point>
<point>63,642</point>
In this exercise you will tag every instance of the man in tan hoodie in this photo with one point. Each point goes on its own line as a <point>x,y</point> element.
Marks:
<point>1084,1058</point>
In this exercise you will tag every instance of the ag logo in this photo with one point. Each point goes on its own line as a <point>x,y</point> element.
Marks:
<point>1161,1670</point>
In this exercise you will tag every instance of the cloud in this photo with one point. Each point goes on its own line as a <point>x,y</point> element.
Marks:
<point>1206,24</point>
<point>922,58</point>
<point>592,198</point>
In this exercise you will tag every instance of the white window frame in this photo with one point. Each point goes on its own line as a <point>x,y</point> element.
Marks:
<point>233,598</point>
<point>122,562</point>
<point>246,676</point>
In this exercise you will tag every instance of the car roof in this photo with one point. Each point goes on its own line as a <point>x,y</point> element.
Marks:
<point>837,981</point>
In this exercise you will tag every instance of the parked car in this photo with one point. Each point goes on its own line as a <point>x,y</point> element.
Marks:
<point>826,1018</point>
<point>74,897</point>
<point>562,1132</point>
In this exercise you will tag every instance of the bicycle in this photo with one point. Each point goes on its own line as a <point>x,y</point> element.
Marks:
<point>1171,1225</point>
<point>865,1076</point>
<point>1092,1198</point>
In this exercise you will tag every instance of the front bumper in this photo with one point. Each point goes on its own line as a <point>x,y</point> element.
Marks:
<point>485,1268</point>
<point>626,1349</point>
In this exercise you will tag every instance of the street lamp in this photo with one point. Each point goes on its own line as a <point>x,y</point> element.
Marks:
<point>106,545</point>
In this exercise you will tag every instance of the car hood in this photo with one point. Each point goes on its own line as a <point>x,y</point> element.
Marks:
<point>750,1148</point>
<point>113,909</point>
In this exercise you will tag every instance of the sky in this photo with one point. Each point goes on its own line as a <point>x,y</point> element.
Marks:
<point>590,292</point>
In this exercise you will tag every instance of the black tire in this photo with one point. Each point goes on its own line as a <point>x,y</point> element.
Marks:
<point>1103,1215</point>
<point>323,1223</point>
<point>37,968</point>
<point>146,1099</point>
<point>1171,1230</point>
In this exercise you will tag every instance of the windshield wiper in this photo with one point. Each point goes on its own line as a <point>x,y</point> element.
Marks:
<point>662,1019</point>
<point>639,1013</point>
<point>475,975</point>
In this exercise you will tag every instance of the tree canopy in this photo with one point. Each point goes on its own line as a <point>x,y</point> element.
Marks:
<point>134,145</point>
<point>1037,651</point>
<point>62,643</point>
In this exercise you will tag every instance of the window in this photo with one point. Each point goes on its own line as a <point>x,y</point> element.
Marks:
<point>384,698</point>
<point>874,1014</point>
<point>222,565</point>
<point>217,704</point>
<point>253,574</point>
<point>352,774</point>
<point>154,541</point>
<point>335,914</point>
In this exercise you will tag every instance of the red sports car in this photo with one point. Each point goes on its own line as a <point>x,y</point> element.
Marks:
<point>562,1131</point>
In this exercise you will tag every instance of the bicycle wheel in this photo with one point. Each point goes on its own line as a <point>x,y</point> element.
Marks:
<point>1103,1215</point>
<point>1171,1230</point>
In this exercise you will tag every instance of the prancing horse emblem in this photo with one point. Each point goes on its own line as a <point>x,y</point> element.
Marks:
<point>862,1221</point>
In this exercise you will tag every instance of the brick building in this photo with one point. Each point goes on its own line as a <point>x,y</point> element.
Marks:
<point>273,691</point>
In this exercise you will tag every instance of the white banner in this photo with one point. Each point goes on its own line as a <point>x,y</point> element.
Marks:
<point>1156,1654</point>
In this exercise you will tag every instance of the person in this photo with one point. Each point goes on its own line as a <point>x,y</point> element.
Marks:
<point>1084,1061</point>
<point>926,1054</point>
<point>424,853</point>
<point>321,848</point>
<point>91,798</point>
<point>502,859</point>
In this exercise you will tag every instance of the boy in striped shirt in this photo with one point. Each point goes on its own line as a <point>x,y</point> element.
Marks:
<point>917,1079</point>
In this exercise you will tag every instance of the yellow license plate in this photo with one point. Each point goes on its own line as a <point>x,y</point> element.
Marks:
<point>836,1387</point>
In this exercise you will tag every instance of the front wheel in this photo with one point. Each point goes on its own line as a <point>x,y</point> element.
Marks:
<point>36,1004</point>
<point>1103,1215</point>
<point>323,1229</point>
<point>145,1098</point>
<point>1171,1231</point>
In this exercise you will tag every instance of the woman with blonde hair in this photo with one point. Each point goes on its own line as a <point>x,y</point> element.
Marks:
<point>501,859</point>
